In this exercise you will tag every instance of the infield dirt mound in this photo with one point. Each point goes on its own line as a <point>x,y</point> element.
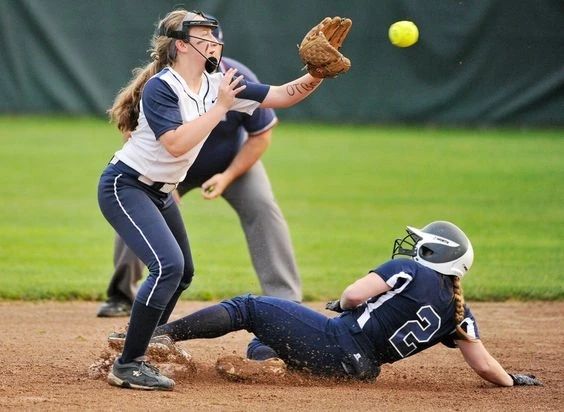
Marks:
<point>47,348</point>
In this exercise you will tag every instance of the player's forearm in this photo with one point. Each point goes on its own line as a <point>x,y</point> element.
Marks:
<point>496,376</point>
<point>291,93</point>
<point>493,372</point>
<point>249,154</point>
<point>484,364</point>
<point>187,136</point>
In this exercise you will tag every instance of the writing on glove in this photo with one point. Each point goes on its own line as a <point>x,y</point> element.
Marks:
<point>525,380</point>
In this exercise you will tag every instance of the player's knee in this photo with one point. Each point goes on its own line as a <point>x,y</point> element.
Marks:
<point>257,350</point>
<point>184,284</point>
<point>169,270</point>
<point>239,309</point>
<point>188,270</point>
<point>176,268</point>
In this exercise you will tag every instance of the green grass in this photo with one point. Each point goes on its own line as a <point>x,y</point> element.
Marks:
<point>347,192</point>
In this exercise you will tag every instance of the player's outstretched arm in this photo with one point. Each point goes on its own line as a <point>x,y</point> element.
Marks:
<point>291,93</point>
<point>319,51</point>
<point>485,365</point>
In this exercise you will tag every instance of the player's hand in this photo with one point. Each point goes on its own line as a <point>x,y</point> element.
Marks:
<point>525,380</point>
<point>229,88</point>
<point>215,186</point>
<point>334,305</point>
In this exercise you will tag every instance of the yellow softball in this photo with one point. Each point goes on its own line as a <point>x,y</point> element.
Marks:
<point>403,33</point>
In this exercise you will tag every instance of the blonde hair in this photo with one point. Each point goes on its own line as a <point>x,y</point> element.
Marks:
<point>125,110</point>
<point>458,297</point>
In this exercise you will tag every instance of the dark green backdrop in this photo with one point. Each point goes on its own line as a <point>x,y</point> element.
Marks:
<point>477,62</point>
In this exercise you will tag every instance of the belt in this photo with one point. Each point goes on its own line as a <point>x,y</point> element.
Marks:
<point>160,186</point>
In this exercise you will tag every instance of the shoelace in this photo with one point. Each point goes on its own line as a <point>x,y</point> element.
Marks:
<point>150,367</point>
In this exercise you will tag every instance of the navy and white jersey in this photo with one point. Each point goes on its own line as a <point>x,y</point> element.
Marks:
<point>415,314</point>
<point>227,137</point>
<point>167,103</point>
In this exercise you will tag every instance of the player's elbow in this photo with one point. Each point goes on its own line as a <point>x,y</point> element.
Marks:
<point>177,144</point>
<point>176,153</point>
<point>175,150</point>
<point>351,298</point>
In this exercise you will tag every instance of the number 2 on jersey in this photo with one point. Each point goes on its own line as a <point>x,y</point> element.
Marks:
<point>412,332</point>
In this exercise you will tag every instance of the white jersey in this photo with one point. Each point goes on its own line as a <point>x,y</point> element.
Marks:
<point>166,104</point>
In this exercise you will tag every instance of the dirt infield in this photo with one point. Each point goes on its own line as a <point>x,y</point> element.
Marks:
<point>47,348</point>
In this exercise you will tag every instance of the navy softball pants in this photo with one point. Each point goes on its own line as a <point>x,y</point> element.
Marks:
<point>302,337</point>
<point>151,225</point>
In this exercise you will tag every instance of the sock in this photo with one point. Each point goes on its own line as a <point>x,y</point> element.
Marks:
<point>142,323</point>
<point>210,322</point>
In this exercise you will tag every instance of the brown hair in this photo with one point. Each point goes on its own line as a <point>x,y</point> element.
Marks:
<point>125,110</point>
<point>458,297</point>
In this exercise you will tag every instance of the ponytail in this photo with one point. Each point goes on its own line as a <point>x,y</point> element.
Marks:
<point>125,110</point>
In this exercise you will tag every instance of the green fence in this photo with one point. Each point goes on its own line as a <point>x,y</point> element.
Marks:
<point>477,62</point>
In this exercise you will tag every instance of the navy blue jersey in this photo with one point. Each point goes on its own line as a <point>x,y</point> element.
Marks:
<point>417,313</point>
<point>226,139</point>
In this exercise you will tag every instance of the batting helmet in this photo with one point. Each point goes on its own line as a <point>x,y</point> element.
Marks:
<point>440,246</point>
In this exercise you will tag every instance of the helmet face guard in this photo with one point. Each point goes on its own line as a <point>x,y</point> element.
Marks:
<point>406,245</point>
<point>212,62</point>
<point>187,24</point>
<point>440,246</point>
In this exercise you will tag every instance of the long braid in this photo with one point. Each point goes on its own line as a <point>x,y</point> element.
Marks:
<point>459,299</point>
<point>459,307</point>
<point>125,110</point>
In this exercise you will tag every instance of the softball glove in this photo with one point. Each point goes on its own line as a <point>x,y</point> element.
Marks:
<point>319,49</point>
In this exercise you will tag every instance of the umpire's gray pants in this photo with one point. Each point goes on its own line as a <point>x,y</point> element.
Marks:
<point>266,231</point>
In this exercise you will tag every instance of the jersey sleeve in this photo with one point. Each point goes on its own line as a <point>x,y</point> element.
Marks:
<point>160,107</point>
<point>397,273</point>
<point>468,325</point>
<point>250,99</point>
<point>261,119</point>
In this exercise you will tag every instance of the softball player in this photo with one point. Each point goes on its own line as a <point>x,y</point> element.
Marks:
<point>230,162</point>
<point>169,121</point>
<point>397,310</point>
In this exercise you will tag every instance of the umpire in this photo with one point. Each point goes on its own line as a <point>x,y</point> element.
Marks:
<point>228,165</point>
